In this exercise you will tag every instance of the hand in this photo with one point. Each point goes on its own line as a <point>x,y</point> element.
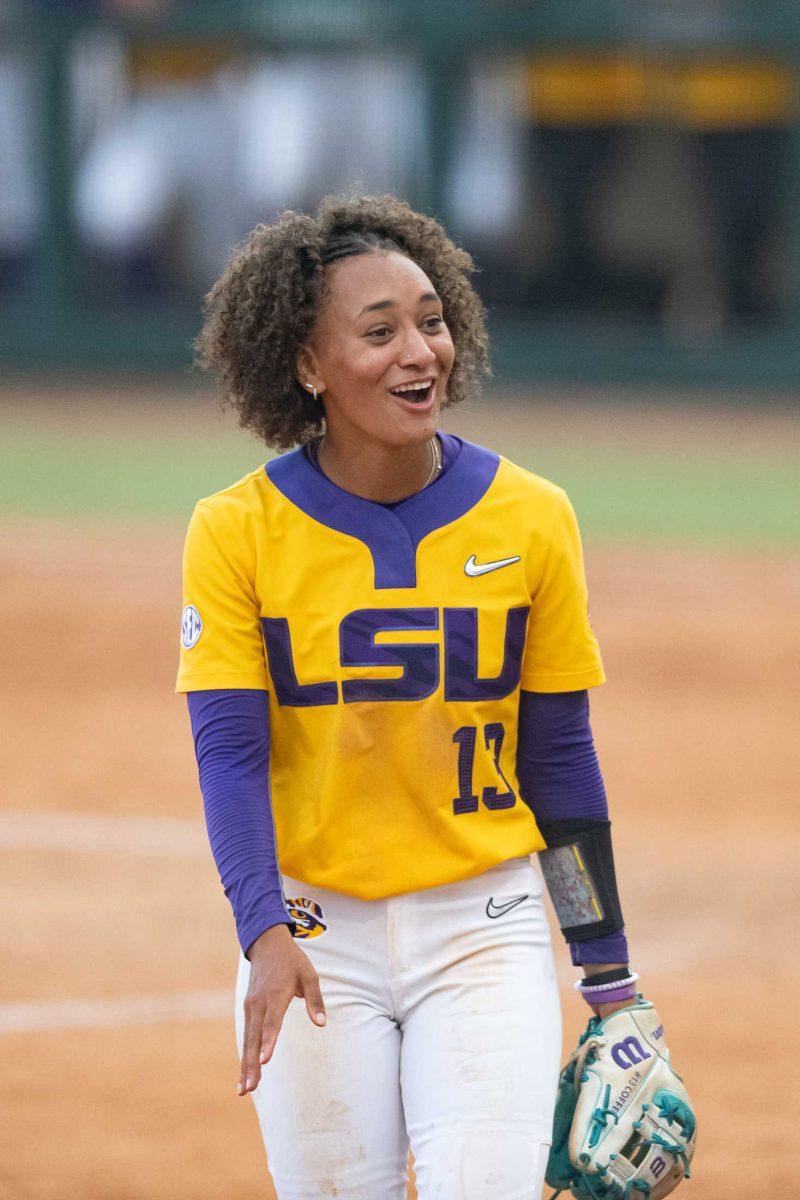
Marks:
<point>279,971</point>
<point>623,1121</point>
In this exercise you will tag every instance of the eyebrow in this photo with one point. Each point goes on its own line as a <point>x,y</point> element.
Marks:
<point>379,304</point>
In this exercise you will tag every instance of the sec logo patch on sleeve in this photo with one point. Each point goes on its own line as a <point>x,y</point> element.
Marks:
<point>191,627</point>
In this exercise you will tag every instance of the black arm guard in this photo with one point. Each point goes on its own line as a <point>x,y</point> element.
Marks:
<point>578,868</point>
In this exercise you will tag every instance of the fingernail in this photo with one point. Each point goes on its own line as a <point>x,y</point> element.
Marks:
<point>249,1083</point>
<point>320,1018</point>
<point>240,1088</point>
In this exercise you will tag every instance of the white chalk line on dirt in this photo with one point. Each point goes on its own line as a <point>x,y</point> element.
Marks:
<point>26,1016</point>
<point>103,834</point>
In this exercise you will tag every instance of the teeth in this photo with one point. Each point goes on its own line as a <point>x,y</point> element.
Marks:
<point>412,387</point>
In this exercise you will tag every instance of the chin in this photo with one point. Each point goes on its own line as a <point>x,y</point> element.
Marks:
<point>421,434</point>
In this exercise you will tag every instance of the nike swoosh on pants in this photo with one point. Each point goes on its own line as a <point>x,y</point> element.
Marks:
<point>498,910</point>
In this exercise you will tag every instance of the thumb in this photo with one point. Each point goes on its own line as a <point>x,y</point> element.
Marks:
<point>313,997</point>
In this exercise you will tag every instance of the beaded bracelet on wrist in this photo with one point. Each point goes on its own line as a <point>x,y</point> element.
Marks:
<point>582,986</point>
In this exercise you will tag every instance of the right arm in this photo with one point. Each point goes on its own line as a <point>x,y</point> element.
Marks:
<point>230,728</point>
<point>231,737</point>
<point>223,670</point>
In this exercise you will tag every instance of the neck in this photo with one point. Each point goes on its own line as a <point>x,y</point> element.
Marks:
<point>374,470</point>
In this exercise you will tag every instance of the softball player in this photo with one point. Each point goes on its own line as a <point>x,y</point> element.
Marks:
<point>386,650</point>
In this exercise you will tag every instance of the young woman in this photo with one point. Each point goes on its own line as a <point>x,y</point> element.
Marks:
<point>386,650</point>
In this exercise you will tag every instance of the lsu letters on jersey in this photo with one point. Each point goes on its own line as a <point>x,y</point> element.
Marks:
<point>393,642</point>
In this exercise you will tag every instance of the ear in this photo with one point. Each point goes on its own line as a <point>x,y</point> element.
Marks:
<point>306,371</point>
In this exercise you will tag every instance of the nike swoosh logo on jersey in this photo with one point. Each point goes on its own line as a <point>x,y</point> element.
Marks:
<point>472,568</point>
<point>498,910</point>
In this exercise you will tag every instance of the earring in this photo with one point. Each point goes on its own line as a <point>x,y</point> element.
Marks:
<point>313,389</point>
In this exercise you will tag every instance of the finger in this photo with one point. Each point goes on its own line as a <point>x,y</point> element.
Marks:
<point>250,1072</point>
<point>272,1027</point>
<point>240,1087</point>
<point>313,997</point>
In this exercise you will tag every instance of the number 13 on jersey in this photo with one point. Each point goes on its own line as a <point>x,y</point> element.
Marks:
<point>467,800</point>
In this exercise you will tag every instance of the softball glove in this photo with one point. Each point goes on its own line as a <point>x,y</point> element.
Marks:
<point>623,1127</point>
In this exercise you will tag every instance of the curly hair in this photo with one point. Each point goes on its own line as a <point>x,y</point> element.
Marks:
<point>261,310</point>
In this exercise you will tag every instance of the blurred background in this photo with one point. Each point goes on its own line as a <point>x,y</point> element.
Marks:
<point>625,174</point>
<point>623,169</point>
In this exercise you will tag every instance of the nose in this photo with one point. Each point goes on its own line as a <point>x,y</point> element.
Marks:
<point>415,351</point>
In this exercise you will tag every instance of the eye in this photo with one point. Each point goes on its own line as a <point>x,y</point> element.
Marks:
<point>381,331</point>
<point>434,323</point>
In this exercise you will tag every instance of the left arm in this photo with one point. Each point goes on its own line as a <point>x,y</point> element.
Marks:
<point>561,782</point>
<point>616,1129</point>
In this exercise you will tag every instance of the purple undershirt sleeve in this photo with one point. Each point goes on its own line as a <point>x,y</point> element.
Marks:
<point>231,739</point>
<point>560,779</point>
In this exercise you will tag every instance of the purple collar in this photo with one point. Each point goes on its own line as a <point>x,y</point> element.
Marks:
<point>392,535</point>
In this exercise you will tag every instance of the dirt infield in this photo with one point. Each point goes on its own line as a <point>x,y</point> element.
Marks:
<point>118,1062</point>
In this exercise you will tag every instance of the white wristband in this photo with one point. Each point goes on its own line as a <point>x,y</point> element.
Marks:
<point>582,986</point>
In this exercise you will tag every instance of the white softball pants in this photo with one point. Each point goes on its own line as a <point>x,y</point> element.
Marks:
<point>444,1030</point>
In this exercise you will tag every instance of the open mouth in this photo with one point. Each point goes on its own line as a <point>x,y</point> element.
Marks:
<point>414,393</point>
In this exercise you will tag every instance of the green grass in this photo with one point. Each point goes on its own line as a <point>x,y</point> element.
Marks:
<point>725,497</point>
<point>683,499</point>
<point>79,476</point>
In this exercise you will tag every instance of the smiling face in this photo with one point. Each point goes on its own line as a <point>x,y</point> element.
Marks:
<point>380,353</point>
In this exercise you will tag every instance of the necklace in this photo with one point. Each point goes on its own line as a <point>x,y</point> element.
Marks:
<point>436,466</point>
<point>436,458</point>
